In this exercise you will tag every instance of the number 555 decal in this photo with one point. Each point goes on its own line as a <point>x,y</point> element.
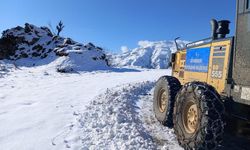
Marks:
<point>217,68</point>
<point>216,74</point>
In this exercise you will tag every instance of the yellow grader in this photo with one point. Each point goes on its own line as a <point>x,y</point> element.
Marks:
<point>210,80</point>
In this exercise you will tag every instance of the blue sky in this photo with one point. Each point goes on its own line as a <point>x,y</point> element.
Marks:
<point>115,23</point>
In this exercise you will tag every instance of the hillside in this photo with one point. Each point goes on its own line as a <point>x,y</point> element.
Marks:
<point>148,54</point>
<point>35,46</point>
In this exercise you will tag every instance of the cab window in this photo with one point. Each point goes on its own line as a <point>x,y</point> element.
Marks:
<point>240,6</point>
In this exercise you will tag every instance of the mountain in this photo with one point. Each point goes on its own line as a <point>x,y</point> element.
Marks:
<point>148,54</point>
<point>35,46</point>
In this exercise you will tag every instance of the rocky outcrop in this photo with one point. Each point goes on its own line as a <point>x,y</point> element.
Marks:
<point>38,43</point>
<point>30,41</point>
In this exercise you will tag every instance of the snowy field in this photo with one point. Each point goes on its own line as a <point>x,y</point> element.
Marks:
<point>43,109</point>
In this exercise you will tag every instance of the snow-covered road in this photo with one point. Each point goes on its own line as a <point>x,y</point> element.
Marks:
<point>38,106</point>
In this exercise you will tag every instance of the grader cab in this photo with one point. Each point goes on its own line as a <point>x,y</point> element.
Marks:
<point>210,79</point>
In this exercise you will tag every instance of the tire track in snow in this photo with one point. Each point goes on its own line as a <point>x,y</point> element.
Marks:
<point>120,118</point>
<point>163,137</point>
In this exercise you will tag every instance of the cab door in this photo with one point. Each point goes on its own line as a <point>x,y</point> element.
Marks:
<point>219,64</point>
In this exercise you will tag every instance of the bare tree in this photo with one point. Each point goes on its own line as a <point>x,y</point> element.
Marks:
<point>59,27</point>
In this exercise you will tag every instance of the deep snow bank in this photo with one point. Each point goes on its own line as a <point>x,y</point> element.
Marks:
<point>113,120</point>
<point>148,55</point>
<point>32,46</point>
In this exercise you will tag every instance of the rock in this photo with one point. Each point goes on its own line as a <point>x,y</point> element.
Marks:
<point>49,33</point>
<point>34,40</point>
<point>37,33</point>
<point>54,38</point>
<point>61,53</point>
<point>62,46</point>
<point>35,54</point>
<point>28,28</point>
<point>44,56</point>
<point>68,41</point>
<point>90,45</point>
<point>48,43</point>
<point>50,50</point>
<point>24,55</point>
<point>8,47</point>
<point>78,44</point>
<point>99,48</point>
<point>37,47</point>
<point>18,28</point>
<point>103,56</point>
<point>22,48</point>
<point>77,48</point>
<point>4,32</point>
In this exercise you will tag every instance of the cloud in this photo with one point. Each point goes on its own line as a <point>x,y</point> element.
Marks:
<point>146,43</point>
<point>124,49</point>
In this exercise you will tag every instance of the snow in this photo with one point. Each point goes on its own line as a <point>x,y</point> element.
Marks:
<point>149,54</point>
<point>43,109</point>
<point>36,46</point>
<point>5,68</point>
<point>124,49</point>
<point>60,94</point>
<point>112,109</point>
<point>115,121</point>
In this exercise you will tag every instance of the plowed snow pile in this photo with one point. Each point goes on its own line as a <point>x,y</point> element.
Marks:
<point>114,120</point>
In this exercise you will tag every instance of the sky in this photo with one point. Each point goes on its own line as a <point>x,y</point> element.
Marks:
<point>117,24</point>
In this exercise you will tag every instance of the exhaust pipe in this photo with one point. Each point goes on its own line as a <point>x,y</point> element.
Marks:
<point>176,44</point>
<point>223,28</point>
<point>214,26</point>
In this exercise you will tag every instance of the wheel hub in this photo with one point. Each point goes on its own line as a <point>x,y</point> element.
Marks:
<point>163,101</point>
<point>191,118</point>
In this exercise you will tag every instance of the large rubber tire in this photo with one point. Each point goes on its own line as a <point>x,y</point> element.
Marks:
<point>209,124</point>
<point>170,85</point>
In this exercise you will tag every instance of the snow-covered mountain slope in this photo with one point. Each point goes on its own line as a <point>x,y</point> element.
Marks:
<point>33,46</point>
<point>148,55</point>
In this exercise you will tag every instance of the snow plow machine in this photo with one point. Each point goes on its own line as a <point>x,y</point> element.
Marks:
<point>210,82</point>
